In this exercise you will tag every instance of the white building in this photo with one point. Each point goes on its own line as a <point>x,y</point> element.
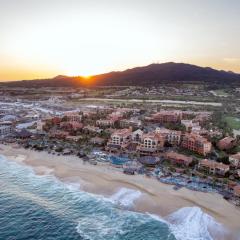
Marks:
<point>171,136</point>
<point>73,117</point>
<point>137,135</point>
<point>120,138</point>
<point>151,143</point>
<point>191,126</point>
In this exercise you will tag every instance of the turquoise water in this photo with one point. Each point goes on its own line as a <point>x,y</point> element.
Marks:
<point>34,207</point>
<point>41,207</point>
<point>118,160</point>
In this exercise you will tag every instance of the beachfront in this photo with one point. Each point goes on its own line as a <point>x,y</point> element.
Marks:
<point>155,197</point>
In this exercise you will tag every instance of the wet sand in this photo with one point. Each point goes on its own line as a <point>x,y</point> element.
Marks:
<point>156,197</point>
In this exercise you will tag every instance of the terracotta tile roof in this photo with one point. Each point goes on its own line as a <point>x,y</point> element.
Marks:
<point>213,164</point>
<point>174,155</point>
<point>153,136</point>
<point>226,142</point>
<point>195,137</point>
<point>122,132</point>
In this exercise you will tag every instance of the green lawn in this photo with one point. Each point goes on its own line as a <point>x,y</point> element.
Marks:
<point>233,122</point>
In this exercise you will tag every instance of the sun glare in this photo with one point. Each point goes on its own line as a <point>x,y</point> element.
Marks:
<point>76,72</point>
<point>87,77</point>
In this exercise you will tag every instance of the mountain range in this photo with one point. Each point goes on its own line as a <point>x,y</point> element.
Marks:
<point>151,75</point>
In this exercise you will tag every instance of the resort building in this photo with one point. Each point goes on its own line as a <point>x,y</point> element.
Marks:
<point>191,126</point>
<point>58,134</point>
<point>73,117</point>
<point>171,136</point>
<point>178,159</point>
<point>235,160</point>
<point>71,125</point>
<point>105,122</point>
<point>73,138</point>
<point>120,138</point>
<point>203,117</point>
<point>124,111</point>
<point>137,135</point>
<point>125,123</point>
<point>226,143</point>
<point>97,141</point>
<point>92,129</point>
<point>55,121</point>
<point>76,125</point>
<point>89,113</point>
<point>196,143</point>
<point>151,143</point>
<point>167,116</point>
<point>116,115</point>
<point>213,167</point>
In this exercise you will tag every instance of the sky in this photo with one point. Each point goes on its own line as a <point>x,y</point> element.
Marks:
<point>45,38</point>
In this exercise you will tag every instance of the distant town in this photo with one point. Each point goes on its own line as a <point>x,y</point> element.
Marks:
<point>186,143</point>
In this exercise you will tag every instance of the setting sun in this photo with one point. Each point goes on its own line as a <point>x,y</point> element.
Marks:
<point>86,77</point>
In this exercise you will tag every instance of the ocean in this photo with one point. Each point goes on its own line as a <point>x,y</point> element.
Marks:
<point>44,208</point>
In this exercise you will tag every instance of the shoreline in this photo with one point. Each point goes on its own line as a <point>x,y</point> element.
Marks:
<point>156,198</point>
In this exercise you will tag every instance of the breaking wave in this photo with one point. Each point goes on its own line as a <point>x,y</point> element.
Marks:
<point>125,197</point>
<point>191,223</point>
<point>65,212</point>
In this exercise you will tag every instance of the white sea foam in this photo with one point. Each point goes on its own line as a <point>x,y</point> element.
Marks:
<point>73,186</point>
<point>125,197</point>
<point>158,218</point>
<point>191,223</point>
<point>101,227</point>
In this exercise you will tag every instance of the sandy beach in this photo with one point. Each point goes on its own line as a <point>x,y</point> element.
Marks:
<point>156,197</point>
